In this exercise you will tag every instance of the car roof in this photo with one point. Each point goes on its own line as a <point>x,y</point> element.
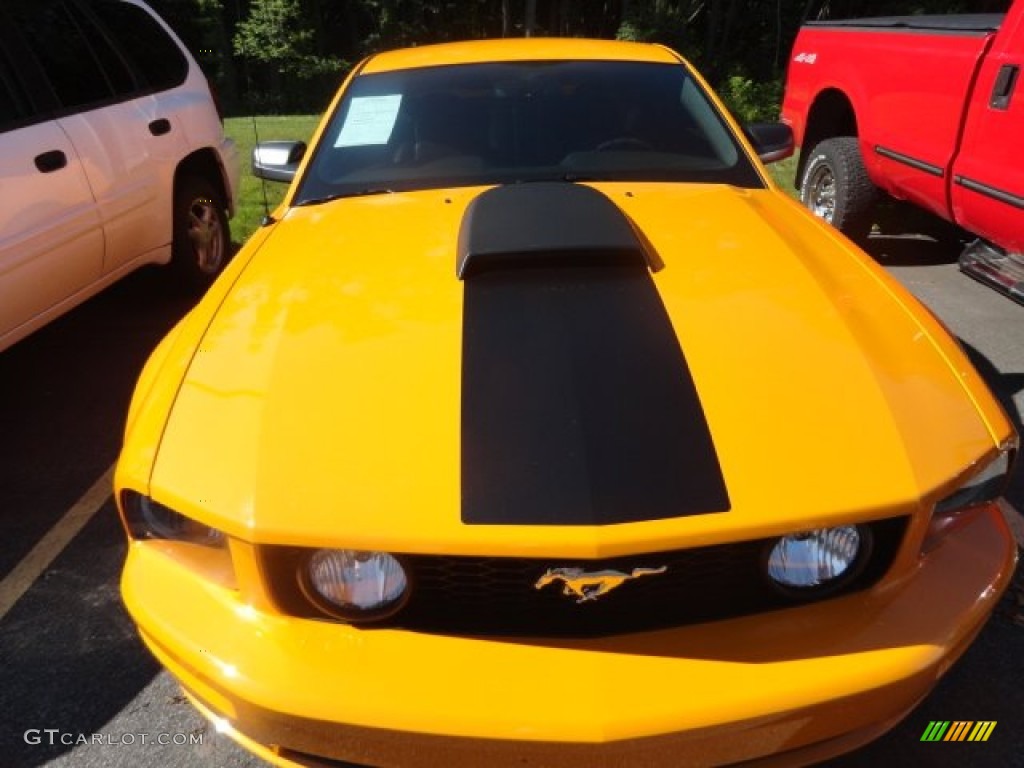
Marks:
<point>517,49</point>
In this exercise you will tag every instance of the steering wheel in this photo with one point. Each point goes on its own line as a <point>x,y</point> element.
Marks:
<point>628,143</point>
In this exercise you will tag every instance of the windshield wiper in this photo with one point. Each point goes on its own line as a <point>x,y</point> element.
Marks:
<point>568,176</point>
<point>338,195</point>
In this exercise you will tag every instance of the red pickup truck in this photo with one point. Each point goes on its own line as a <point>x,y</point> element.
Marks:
<point>925,108</point>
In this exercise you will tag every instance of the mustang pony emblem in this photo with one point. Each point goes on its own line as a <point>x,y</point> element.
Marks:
<point>590,586</point>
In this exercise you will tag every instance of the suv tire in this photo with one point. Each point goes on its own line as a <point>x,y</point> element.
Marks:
<point>202,241</point>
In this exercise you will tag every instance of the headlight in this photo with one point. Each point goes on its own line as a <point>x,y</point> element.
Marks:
<point>148,519</point>
<point>355,585</point>
<point>813,561</point>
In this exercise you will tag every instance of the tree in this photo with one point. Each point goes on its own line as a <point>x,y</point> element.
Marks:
<point>273,34</point>
<point>274,38</point>
<point>287,53</point>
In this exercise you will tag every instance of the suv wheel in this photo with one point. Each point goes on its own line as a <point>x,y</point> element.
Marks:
<point>835,186</point>
<point>202,242</point>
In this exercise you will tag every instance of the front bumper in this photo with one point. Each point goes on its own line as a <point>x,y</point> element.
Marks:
<point>801,684</point>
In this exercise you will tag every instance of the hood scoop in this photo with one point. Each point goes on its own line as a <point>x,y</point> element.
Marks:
<point>547,224</point>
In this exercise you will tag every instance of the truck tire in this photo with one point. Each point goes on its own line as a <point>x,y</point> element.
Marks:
<point>835,186</point>
<point>202,240</point>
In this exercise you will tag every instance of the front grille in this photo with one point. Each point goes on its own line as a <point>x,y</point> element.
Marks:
<point>497,595</point>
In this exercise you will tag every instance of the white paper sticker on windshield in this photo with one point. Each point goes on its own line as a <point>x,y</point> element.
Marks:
<point>370,121</point>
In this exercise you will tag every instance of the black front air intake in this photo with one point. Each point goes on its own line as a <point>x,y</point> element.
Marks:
<point>578,407</point>
<point>507,596</point>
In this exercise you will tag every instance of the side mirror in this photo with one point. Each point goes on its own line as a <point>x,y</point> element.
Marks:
<point>277,160</point>
<point>772,141</point>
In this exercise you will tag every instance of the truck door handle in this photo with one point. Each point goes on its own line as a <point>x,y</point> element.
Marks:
<point>160,126</point>
<point>1003,89</point>
<point>51,161</point>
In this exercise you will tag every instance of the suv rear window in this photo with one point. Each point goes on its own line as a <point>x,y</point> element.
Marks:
<point>56,39</point>
<point>104,52</point>
<point>15,109</point>
<point>156,58</point>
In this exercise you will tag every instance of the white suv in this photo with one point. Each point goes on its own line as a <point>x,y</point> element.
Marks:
<point>112,155</point>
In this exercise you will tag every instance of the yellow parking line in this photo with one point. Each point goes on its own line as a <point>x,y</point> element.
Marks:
<point>31,567</point>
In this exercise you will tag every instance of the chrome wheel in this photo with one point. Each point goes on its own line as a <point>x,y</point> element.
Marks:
<point>206,235</point>
<point>202,240</point>
<point>835,186</point>
<point>821,193</point>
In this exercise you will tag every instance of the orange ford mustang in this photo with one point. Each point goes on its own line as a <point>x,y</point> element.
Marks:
<point>538,428</point>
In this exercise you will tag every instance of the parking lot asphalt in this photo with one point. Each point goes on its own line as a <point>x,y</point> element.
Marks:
<point>77,688</point>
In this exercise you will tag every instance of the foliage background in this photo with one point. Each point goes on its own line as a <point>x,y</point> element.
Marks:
<point>288,56</point>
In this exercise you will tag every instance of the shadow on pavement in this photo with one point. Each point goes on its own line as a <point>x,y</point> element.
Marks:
<point>906,236</point>
<point>70,658</point>
<point>64,394</point>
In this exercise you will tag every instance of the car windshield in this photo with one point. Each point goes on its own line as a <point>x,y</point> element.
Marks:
<point>500,123</point>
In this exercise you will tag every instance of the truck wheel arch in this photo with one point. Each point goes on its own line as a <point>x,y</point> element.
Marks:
<point>830,115</point>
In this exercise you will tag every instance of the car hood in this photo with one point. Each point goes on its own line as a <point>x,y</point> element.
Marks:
<point>327,400</point>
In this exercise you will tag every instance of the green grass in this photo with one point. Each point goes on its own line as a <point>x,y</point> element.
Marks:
<point>250,195</point>
<point>783,173</point>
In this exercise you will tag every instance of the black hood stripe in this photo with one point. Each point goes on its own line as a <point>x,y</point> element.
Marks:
<point>578,407</point>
